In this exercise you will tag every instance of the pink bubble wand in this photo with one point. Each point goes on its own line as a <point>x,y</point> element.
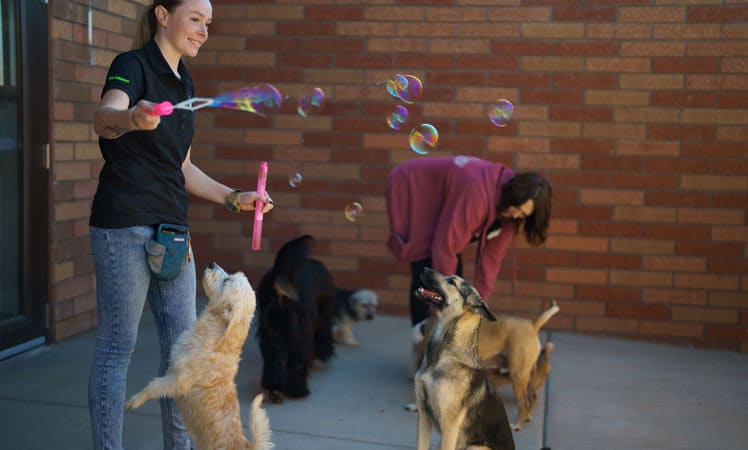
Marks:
<point>262,177</point>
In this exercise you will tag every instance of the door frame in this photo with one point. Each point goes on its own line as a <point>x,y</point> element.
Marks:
<point>34,107</point>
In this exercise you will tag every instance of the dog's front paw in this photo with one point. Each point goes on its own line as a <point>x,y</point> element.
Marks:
<point>275,397</point>
<point>517,426</point>
<point>135,402</point>
<point>342,336</point>
<point>296,392</point>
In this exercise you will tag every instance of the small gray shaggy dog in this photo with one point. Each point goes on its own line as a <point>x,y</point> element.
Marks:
<point>351,306</point>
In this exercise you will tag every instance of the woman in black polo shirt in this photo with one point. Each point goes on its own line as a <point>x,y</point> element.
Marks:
<point>146,181</point>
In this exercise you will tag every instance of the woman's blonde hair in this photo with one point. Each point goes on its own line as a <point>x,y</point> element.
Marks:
<point>148,25</point>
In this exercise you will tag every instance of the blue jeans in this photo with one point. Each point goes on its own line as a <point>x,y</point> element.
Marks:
<point>123,283</point>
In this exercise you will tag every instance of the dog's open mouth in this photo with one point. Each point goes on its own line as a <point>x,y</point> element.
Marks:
<point>429,296</point>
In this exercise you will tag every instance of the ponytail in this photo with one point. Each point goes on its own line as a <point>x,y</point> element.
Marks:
<point>148,25</point>
<point>145,29</point>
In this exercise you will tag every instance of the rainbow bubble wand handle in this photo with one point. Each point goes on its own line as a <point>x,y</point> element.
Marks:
<point>262,177</point>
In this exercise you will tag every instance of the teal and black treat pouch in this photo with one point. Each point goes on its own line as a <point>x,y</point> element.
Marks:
<point>168,251</point>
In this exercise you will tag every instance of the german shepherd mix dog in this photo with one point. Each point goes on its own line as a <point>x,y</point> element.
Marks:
<point>511,352</point>
<point>204,363</point>
<point>453,390</point>
<point>296,302</point>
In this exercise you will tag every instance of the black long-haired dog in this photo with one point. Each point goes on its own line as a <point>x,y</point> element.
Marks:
<point>296,304</point>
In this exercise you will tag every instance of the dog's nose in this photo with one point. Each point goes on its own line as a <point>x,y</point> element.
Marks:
<point>212,265</point>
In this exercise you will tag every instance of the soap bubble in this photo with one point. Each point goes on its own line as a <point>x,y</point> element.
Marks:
<point>353,210</point>
<point>397,116</point>
<point>311,104</point>
<point>413,90</point>
<point>407,88</point>
<point>501,112</point>
<point>424,138</point>
<point>294,180</point>
<point>396,84</point>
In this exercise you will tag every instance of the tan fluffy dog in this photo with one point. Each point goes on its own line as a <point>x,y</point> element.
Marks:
<point>204,363</point>
<point>512,342</point>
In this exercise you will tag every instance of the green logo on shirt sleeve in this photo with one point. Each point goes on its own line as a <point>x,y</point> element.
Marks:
<point>118,78</point>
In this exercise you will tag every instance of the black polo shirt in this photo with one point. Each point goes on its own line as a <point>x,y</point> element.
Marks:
<point>141,182</point>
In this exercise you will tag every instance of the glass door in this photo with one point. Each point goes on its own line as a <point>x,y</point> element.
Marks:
<point>10,171</point>
<point>23,172</point>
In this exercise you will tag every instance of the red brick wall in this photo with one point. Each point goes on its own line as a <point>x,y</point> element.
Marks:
<point>637,111</point>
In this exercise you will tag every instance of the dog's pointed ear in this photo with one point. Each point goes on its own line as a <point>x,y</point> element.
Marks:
<point>478,306</point>
<point>475,301</point>
<point>483,311</point>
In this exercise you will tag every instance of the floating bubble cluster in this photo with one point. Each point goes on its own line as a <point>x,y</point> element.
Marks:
<point>407,88</point>
<point>295,180</point>
<point>424,139</point>
<point>397,116</point>
<point>501,112</point>
<point>312,103</point>
<point>353,211</point>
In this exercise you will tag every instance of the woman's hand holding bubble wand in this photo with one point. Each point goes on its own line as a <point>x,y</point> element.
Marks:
<point>262,176</point>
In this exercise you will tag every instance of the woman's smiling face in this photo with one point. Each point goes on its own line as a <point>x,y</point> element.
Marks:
<point>185,28</point>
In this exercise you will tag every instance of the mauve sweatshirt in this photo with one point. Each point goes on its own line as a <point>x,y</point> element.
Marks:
<point>436,205</point>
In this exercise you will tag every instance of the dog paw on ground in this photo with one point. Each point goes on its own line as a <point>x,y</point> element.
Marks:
<point>275,397</point>
<point>296,392</point>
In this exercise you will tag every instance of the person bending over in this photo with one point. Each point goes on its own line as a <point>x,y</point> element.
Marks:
<point>438,205</point>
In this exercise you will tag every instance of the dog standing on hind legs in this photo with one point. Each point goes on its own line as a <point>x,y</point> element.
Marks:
<point>452,387</point>
<point>204,363</point>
